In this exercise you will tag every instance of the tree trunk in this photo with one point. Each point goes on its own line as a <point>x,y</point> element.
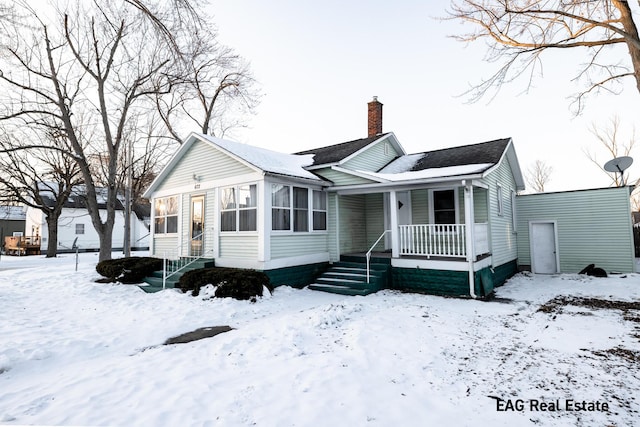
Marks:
<point>106,240</point>
<point>633,40</point>
<point>52,228</point>
<point>105,234</point>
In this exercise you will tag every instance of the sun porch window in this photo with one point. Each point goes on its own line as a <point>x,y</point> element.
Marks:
<point>239,208</point>
<point>291,207</point>
<point>166,215</point>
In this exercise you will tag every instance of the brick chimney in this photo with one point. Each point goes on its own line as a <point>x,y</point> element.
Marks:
<point>374,117</point>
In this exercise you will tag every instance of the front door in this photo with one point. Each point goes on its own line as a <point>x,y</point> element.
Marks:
<point>197,226</point>
<point>544,253</point>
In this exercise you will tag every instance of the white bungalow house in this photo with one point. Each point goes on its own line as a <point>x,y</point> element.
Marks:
<point>75,226</point>
<point>438,221</point>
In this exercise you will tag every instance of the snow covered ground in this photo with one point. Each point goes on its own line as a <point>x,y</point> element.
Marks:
<point>74,352</point>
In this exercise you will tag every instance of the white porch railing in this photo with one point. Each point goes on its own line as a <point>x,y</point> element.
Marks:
<point>174,261</point>
<point>443,240</point>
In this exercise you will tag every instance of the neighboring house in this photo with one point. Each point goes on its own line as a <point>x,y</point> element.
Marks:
<point>448,213</point>
<point>75,226</point>
<point>12,220</point>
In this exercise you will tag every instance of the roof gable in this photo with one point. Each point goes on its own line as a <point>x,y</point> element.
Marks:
<point>257,159</point>
<point>264,159</point>
<point>339,153</point>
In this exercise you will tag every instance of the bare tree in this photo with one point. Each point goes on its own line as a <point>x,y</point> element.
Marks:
<point>609,138</point>
<point>519,31</point>
<point>218,91</point>
<point>538,175</point>
<point>87,68</point>
<point>39,178</point>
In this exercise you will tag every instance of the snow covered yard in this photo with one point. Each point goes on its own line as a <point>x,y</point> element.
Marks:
<point>74,352</point>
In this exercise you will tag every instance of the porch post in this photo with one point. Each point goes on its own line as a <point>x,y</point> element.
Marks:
<point>338,226</point>
<point>393,213</point>
<point>469,221</point>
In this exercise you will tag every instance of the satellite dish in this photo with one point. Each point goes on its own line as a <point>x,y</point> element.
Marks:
<point>618,165</point>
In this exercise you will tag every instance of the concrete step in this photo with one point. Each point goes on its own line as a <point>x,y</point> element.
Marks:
<point>157,282</point>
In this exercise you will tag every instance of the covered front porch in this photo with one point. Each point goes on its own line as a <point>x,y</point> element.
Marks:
<point>439,228</point>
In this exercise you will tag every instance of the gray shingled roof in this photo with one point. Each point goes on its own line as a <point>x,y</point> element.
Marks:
<point>484,152</point>
<point>77,200</point>
<point>337,152</point>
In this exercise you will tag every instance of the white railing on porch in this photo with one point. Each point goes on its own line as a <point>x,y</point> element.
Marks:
<point>442,240</point>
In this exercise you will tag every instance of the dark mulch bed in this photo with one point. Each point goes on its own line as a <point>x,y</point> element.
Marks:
<point>558,302</point>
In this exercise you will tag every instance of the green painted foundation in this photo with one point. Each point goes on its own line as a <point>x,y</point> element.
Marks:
<point>451,283</point>
<point>489,278</point>
<point>435,282</point>
<point>298,276</point>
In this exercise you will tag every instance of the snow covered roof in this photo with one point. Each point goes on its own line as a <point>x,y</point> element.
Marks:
<point>444,172</point>
<point>12,213</point>
<point>267,160</point>
<point>444,163</point>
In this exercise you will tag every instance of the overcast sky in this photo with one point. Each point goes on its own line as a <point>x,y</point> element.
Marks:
<point>319,63</point>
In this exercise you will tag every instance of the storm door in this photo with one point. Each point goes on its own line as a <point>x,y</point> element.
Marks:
<point>197,226</point>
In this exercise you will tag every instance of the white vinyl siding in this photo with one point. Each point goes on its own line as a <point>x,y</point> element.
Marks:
<point>164,244</point>
<point>479,205</point>
<point>372,158</point>
<point>374,207</point>
<point>420,206</point>
<point>205,161</point>
<point>503,239</point>
<point>593,226</point>
<point>353,237</point>
<point>298,244</point>
<point>341,178</point>
<point>239,246</point>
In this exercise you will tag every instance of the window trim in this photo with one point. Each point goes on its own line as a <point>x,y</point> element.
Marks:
<point>456,204</point>
<point>314,210</point>
<point>499,200</point>
<point>237,208</point>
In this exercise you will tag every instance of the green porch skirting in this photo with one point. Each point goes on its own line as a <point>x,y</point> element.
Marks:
<point>298,276</point>
<point>435,282</point>
<point>451,283</point>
